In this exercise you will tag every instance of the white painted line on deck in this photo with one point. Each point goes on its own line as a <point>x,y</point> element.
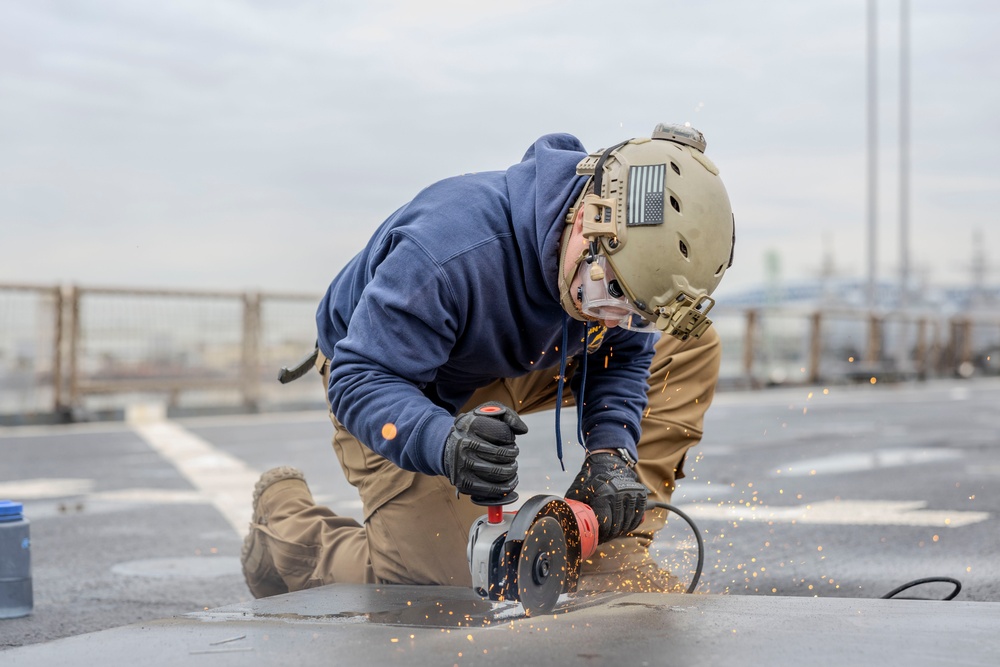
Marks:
<point>842,512</point>
<point>224,480</point>
<point>45,487</point>
<point>865,461</point>
<point>150,497</point>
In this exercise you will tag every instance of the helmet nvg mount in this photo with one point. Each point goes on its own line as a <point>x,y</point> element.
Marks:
<point>661,217</point>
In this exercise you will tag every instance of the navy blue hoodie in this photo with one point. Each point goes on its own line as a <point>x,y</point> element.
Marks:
<point>457,289</point>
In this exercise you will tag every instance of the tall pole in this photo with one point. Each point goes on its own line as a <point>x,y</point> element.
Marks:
<point>872,149</point>
<point>904,152</point>
<point>902,351</point>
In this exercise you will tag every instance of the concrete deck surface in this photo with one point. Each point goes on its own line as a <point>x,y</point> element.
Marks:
<point>415,625</point>
<point>797,493</point>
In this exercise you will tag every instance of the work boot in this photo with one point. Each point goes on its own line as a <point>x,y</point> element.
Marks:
<point>262,578</point>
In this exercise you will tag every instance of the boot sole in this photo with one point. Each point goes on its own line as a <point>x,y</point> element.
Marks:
<point>266,480</point>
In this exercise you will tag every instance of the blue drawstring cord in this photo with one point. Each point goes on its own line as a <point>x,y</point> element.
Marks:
<point>562,383</point>
<point>583,384</point>
<point>559,389</point>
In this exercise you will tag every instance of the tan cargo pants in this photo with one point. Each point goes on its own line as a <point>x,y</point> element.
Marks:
<point>415,528</point>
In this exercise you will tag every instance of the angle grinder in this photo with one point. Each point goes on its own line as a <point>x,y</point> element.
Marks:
<point>532,555</point>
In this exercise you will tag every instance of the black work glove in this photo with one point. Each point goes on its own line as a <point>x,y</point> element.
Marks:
<point>479,453</point>
<point>611,488</point>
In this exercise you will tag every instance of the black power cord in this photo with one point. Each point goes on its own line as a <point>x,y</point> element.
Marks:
<point>926,580</point>
<point>697,536</point>
<point>890,595</point>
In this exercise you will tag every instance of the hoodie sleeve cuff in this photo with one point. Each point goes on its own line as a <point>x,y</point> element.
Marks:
<point>428,456</point>
<point>606,435</point>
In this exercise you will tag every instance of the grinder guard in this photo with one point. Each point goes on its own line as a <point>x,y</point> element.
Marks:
<point>532,510</point>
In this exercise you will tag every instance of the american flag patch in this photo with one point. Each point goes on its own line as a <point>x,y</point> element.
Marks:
<point>645,194</point>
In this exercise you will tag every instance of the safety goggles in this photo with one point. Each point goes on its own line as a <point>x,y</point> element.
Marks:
<point>605,299</point>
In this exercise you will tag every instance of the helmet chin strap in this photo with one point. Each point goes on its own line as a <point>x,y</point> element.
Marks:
<point>569,304</point>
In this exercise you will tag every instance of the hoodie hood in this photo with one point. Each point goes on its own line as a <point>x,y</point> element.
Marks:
<point>542,187</point>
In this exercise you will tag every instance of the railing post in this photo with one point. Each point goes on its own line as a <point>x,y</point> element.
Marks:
<point>874,351</point>
<point>249,381</point>
<point>74,345</point>
<point>959,344</point>
<point>748,345</point>
<point>57,343</point>
<point>920,353</point>
<point>936,353</point>
<point>965,345</point>
<point>815,346</point>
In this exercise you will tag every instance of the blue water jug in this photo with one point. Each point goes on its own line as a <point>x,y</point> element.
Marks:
<point>16,597</point>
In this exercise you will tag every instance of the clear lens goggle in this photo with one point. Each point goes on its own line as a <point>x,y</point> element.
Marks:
<point>603,298</point>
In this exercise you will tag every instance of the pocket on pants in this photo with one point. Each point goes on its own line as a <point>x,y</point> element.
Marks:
<point>295,562</point>
<point>377,479</point>
<point>422,536</point>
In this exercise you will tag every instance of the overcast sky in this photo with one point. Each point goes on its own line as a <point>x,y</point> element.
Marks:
<point>244,144</point>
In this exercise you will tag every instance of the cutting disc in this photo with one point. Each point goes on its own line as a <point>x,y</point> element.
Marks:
<point>541,567</point>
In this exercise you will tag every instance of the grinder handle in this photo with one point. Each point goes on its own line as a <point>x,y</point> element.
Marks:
<point>495,503</point>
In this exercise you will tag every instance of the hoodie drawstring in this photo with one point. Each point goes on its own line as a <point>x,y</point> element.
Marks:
<point>583,385</point>
<point>562,382</point>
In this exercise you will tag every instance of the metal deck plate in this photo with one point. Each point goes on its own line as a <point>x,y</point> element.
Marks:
<point>417,625</point>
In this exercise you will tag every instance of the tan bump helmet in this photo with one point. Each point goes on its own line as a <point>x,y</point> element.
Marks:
<point>660,214</point>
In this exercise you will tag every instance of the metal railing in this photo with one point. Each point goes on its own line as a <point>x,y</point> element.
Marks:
<point>791,345</point>
<point>31,347</point>
<point>64,349</point>
<point>67,349</point>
